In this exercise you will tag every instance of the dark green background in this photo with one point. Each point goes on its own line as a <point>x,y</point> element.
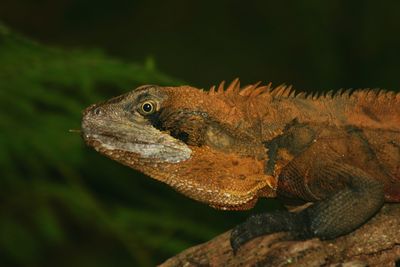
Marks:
<point>62,204</point>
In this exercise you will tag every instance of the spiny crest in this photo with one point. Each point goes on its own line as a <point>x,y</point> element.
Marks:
<point>365,94</point>
<point>376,92</point>
<point>284,91</point>
<point>252,90</point>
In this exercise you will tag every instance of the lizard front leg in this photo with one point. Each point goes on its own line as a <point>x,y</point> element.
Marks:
<point>357,198</point>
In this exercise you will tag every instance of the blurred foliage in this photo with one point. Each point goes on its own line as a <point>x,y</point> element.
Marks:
<point>62,204</point>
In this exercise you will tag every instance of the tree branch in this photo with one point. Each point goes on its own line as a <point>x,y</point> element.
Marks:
<point>376,243</point>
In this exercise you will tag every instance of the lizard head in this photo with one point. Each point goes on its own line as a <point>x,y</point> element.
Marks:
<point>203,144</point>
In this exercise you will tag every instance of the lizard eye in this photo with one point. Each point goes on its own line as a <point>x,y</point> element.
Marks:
<point>147,107</point>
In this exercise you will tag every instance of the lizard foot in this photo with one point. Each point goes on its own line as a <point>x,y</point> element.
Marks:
<point>334,216</point>
<point>268,223</point>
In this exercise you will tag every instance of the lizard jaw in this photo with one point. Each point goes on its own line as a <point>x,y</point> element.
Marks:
<point>169,151</point>
<point>146,142</point>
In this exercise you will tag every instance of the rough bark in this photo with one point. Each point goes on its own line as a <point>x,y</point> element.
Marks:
<point>377,243</point>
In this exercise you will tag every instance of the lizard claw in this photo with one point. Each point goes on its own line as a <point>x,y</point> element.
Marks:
<point>264,224</point>
<point>239,236</point>
<point>245,232</point>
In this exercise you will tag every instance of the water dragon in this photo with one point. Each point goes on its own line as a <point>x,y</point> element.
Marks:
<point>229,146</point>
